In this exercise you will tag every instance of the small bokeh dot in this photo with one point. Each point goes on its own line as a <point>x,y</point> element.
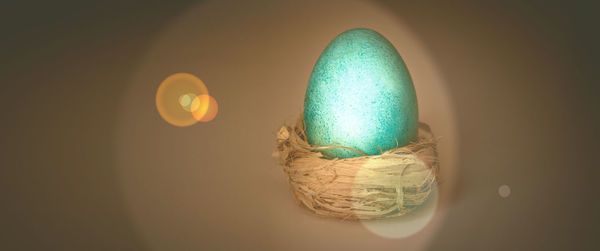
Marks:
<point>504,191</point>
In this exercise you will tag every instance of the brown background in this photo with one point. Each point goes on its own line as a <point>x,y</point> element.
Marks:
<point>522,78</point>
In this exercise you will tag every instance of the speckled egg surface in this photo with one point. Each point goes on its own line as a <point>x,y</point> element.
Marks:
<point>360,95</point>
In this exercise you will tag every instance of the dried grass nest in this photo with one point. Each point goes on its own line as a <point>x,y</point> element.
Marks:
<point>367,187</point>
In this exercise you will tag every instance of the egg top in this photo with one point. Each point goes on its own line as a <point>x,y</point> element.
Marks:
<point>360,95</point>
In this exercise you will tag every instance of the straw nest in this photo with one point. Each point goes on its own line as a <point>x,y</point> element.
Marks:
<point>367,187</point>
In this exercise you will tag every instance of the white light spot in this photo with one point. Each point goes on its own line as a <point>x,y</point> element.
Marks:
<point>504,191</point>
<point>408,224</point>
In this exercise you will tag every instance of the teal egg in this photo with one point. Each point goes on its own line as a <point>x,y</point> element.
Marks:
<point>360,95</point>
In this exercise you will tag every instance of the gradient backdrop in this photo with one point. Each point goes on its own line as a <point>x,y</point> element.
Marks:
<point>86,162</point>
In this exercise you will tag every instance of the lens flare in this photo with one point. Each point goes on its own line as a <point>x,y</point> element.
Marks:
<point>408,224</point>
<point>206,108</point>
<point>176,99</point>
<point>413,221</point>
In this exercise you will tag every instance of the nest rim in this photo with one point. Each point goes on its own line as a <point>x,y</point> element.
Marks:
<point>367,187</point>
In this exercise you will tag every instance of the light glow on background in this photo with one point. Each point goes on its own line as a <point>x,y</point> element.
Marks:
<point>275,88</point>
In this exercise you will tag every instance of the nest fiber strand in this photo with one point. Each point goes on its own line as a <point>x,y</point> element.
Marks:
<point>368,187</point>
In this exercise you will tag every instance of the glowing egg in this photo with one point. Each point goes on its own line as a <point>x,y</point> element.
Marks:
<point>360,95</point>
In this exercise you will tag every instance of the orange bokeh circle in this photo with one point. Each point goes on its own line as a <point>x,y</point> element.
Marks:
<point>206,108</point>
<point>172,99</point>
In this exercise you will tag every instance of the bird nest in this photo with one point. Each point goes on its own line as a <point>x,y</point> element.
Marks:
<point>368,187</point>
